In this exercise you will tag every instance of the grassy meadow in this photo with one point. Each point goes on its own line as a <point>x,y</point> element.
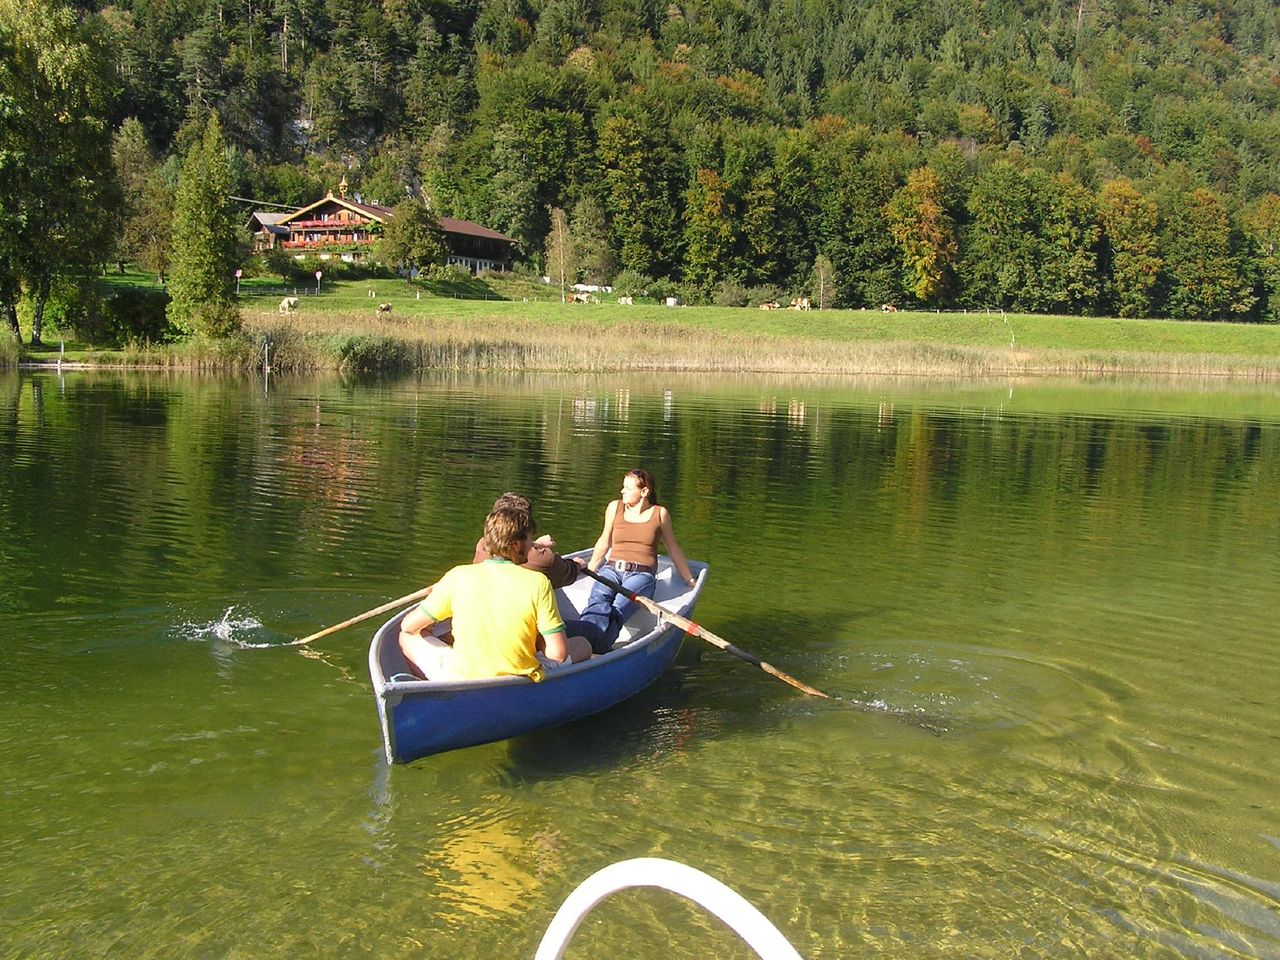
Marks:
<point>514,323</point>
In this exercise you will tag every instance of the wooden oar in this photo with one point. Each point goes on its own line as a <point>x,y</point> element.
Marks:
<point>694,630</point>
<point>390,605</point>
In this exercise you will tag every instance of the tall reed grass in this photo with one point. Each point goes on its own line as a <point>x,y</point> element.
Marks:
<point>353,343</point>
<point>10,351</point>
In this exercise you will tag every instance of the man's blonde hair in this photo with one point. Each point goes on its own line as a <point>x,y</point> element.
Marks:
<point>505,531</point>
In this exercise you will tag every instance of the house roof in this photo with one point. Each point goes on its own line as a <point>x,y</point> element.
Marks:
<point>278,222</point>
<point>470,229</point>
<point>268,222</point>
<point>371,210</point>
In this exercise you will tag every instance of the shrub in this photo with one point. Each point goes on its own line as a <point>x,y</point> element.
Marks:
<point>134,313</point>
<point>731,294</point>
<point>767,293</point>
<point>365,354</point>
<point>631,283</point>
<point>661,289</point>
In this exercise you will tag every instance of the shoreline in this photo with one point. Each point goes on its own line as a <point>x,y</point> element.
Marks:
<point>438,334</point>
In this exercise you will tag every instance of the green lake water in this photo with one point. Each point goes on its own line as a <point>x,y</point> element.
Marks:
<point>1078,581</point>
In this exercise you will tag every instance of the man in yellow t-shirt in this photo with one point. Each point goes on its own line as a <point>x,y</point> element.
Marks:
<point>498,609</point>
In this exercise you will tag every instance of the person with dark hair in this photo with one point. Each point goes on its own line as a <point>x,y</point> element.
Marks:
<point>633,525</point>
<point>498,608</point>
<point>542,557</point>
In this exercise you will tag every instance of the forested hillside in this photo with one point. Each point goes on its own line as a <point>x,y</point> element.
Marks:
<point>1101,156</point>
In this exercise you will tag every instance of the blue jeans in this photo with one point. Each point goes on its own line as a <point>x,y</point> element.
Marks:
<point>606,611</point>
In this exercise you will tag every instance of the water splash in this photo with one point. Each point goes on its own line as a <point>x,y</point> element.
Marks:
<point>244,631</point>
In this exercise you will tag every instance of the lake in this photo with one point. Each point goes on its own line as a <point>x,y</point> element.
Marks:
<point>1077,581</point>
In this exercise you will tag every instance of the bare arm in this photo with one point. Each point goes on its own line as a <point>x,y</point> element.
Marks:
<point>557,646</point>
<point>605,539</point>
<point>413,645</point>
<point>673,548</point>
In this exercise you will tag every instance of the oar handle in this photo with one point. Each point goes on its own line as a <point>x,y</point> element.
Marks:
<point>389,605</point>
<point>694,630</point>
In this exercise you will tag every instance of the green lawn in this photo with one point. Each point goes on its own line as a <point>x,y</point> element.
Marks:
<point>513,309</point>
<point>498,299</point>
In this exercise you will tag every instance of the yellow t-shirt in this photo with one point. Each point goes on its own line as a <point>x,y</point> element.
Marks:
<point>498,609</point>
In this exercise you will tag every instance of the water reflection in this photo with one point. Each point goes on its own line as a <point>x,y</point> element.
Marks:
<point>1080,582</point>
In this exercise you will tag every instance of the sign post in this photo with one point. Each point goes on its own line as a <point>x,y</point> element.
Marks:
<point>238,273</point>
<point>319,274</point>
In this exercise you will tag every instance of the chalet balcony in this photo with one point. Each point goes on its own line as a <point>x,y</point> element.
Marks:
<point>329,224</point>
<point>328,242</point>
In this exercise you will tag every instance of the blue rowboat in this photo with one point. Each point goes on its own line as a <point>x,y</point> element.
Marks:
<point>423,717</point>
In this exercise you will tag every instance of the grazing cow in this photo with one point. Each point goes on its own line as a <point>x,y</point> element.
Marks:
<point>288,304</point>
<point>888,308</point>
<point>625,301</point>
<point>582,298</point>
<point>384,308</point>
<point>800,303</point>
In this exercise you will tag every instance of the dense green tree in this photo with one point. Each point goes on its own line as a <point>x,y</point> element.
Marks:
<point>412,237</point>
<point>925,235</point>
<point>1262,225</point>
<point>146,211</point>
<point>1071,235</point>
<point>1204,270</point>
<point>999,249</point>
<point>1130,221</point>
<point>590,233</point>
<point>640,171</point>
<point>709,235</point>
<point>205,249</point>
<point>58,187</point>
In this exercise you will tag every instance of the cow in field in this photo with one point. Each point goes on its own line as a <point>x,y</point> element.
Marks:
<point>769,305</point>
<point>288,304</point>
<point>384,308</point>
<point>888,308</point>
<point>800,303</point>
<point>625,301</point>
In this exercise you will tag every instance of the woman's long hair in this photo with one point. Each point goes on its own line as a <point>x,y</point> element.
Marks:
<point>645,479</point>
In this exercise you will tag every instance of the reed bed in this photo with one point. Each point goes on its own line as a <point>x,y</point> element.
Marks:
<point>614,339</point>
<point>9,351</point>
<point>324,342</point>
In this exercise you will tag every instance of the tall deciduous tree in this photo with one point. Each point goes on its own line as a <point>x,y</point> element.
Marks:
<point>146,211</point>
<point>57,188</point>
<point>202,286</point>
<point>412,237</point>
<point>1068,275</point>
<point>1262,225</point>
<point>823,283</point>
<point>590,233</point>
<point>709,230</point>
<point>1130,220</point>
<point>925,235</point>
<point>562,265</point>
<point>1205,272</point>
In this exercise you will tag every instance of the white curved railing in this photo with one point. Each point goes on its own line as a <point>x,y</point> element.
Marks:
<point>744,919</point>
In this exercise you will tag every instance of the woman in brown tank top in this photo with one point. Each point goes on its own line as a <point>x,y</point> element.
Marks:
<point>633,525</point>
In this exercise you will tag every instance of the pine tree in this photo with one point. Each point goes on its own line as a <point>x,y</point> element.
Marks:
<point>202,283</point>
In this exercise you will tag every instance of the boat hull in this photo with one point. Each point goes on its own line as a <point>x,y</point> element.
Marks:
<point>423,717</point>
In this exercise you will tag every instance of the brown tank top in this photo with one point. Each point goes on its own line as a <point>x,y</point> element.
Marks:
<point>635,542</point>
